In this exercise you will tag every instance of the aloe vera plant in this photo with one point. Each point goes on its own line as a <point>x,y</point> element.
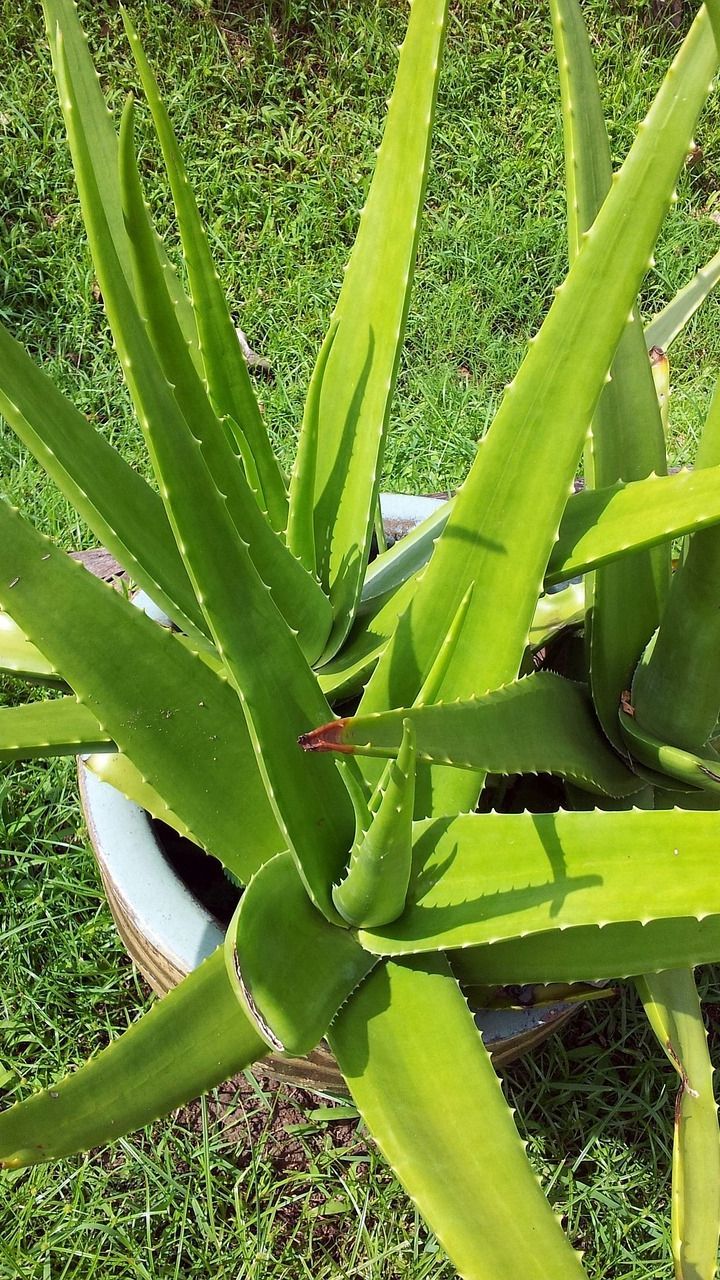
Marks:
<point>527,787</point>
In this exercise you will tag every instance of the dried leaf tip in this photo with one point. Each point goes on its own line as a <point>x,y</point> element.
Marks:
<point>327,737</point>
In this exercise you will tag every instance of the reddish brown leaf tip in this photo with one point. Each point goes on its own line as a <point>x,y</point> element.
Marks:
<point>327,738</point>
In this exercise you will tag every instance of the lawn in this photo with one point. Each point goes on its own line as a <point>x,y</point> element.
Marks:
<point>278,107</point>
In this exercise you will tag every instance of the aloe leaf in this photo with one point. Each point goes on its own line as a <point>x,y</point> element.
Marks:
<point>310,803</point>
<point>343,436</point>
<point>163,706</point>
<point>590,953</point>
<point>417,1069</point>
<point>289,967</point>
<point>551,871</point>
<point>279,696</point>
<point>555,611</point>
<point>192,1039</point>
<point>601,524</point>
<point>676,687</point>
<point>525,465</point>
<point>61,19</point>
<point>348,672</point>
<point>119,772</point>
<point>597,525</point>
<point>298,595</point>
<point>375,885</point>
<point>673,1008</point>
<point>123,512</point>
<point>626,440</point>
<point>393,567</point>
<point>20,658</point>
<point>59,727</point>
<point>664,328</point>
<point>224,365</point>
<point>665,758</point>
<point>540,724</point>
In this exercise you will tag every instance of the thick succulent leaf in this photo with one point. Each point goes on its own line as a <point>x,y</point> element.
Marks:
<point>526,463</point>
<point>626,440</point>
<point>224,365</point>
<point>393,567</point>
<point>298,596</point>
<point>418,1071</point>
<point>664,328</point>
<point>123,512</point>
<point>601,524</point>
<point>540,724</point>
<point>61,21</point>
<point>554,871</point>
<point>192,1039</point>
<point>348,672</point>
<point>60,727</point>
<point>349,401</point>
<point>591,953</point>
<point>676,687</point>
<point>180,724</point>
<point>279,696</point>
<point>119,772</point>
<point>673,1008</point>
<point>663,758</point>
<point>20,658</point>
<point>290,968</point>
<point>555,611</point>
<point>375,885</point>
<point>597,525</point>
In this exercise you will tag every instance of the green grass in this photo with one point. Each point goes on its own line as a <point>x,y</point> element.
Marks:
<point>279,109</point>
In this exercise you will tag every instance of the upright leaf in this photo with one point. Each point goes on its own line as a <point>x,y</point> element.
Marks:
<point>524,469</point>
<point>61,20</point>
<point>626,442</point>
<point>375,884</point>
<point>343,435</point>
<point>297,594</point>
<point>224,365</point>
<point>676,688</point>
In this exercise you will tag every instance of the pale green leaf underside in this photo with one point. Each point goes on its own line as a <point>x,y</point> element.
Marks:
<point>192,1039</point>
<point>664,328</point>
<point>117,771</point>
<point>423,1082</point>
<point>551,871</point>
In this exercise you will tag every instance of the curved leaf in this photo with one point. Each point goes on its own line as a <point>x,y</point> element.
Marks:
<point>192,1039</point>
<point>290,968</point>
